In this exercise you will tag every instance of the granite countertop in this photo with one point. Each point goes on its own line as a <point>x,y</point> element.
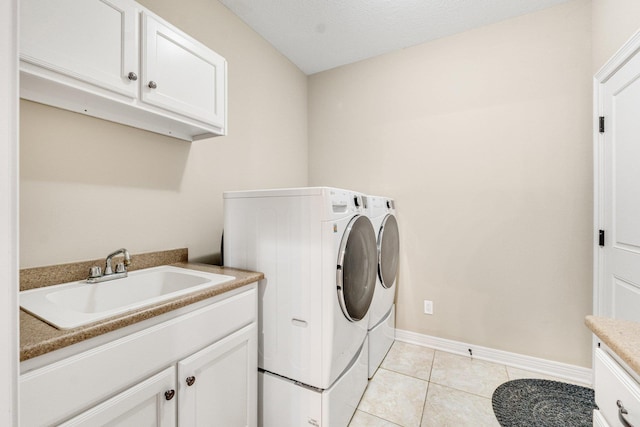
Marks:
<point>38,337</point>
<point>621,336</point>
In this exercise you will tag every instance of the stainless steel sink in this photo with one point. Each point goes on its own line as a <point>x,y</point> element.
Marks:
<point>74,304</point>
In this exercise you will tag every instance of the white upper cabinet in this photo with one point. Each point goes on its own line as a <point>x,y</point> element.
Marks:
<point>92,41</point>
<point>180,74</point>
<point>115,60</point>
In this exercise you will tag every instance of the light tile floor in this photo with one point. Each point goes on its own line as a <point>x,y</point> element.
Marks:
<point>420,387</point>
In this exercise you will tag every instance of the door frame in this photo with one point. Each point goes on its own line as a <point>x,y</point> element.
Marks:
<point>620,58</point>
<point>9,264</point>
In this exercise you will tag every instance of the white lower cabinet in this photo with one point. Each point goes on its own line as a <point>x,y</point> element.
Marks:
<point>598,419</point>
<point>197,369</point>
<point>617,393</point>
<point>219,383</point>
<point>150,403</point>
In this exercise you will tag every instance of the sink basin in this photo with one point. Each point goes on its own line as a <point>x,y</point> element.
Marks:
<point>74,304</point>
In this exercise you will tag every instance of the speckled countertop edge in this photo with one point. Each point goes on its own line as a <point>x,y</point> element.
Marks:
<point>38,337</point>
<point>621,336</point>
<point>37,277</point>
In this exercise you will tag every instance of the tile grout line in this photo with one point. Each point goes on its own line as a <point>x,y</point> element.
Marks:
<point>429,382</point>
<point>404,374</point>
<point>462,391</point>
<point>506,371</point>
<point>424,405</point>
<point>412,375</point>
<point>379,417</point>
<point>444,385</point>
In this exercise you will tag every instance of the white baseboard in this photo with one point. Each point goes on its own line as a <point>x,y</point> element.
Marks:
<point>576,374</point>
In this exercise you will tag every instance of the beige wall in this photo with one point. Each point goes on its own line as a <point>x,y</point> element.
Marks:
<point>484,140</point>
<point>614,22</point>
<point>89,186</point>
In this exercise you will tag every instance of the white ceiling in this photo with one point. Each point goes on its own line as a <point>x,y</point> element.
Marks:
<point>317,35</point>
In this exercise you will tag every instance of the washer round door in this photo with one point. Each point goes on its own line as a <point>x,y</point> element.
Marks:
<point>388,251</point>
<point>356,273</point>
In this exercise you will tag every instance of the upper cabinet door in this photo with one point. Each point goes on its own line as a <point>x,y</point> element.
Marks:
<point>94,41</point>
<point>180,74</point>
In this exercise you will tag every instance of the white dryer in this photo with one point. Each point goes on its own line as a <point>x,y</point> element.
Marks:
<point>318,252</point>
<point>381,211</point>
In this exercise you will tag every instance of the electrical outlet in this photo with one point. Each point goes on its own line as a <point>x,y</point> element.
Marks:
<point>428,307</point>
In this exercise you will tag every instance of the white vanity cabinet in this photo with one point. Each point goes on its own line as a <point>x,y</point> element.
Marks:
<point>150,403</point>
<point>115,60</point>
<point>617,393</point>
<point>197,368</point>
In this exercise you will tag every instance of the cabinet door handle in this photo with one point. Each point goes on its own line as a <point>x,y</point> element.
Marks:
<point>622,412</point>
<point>169,394</point>
<point>190,381</point>
<point>132,76</point>
<point>152,85</point>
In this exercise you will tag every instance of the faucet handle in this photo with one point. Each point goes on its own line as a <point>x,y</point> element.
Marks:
<point>94,272</point>
<point>120,268</point>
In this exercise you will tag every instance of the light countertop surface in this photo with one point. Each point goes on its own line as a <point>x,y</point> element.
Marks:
<point>621,336</point>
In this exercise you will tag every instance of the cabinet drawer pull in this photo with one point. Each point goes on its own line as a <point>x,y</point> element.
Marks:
<point>190,381</point>
<point>169,394</point>
<point>152,84</point>
<point>132,76</point>
<point>621,414</point>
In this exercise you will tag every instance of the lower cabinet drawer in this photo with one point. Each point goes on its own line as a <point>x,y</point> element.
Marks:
<point>617,393</point>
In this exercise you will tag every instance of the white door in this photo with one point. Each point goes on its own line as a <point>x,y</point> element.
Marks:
<point>180,74</point>
<point>618,180</point>
<point>150,403</point>
<point>217,386</point>
<point>94,41</point>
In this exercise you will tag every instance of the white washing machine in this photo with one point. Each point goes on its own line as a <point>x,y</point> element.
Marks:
<point>318,252</point>
<point>382,325</point>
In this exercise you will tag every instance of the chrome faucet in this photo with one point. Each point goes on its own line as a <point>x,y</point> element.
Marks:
<point>96,275</point>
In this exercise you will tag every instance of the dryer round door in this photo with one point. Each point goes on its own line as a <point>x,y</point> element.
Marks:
<point>356,273</point>
<point>388,251</point>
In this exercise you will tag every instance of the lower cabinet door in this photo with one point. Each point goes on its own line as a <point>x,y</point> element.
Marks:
<point>598,419</point>
<point>149,403</point>
<point>617,393</point>
<point>217,386</point>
